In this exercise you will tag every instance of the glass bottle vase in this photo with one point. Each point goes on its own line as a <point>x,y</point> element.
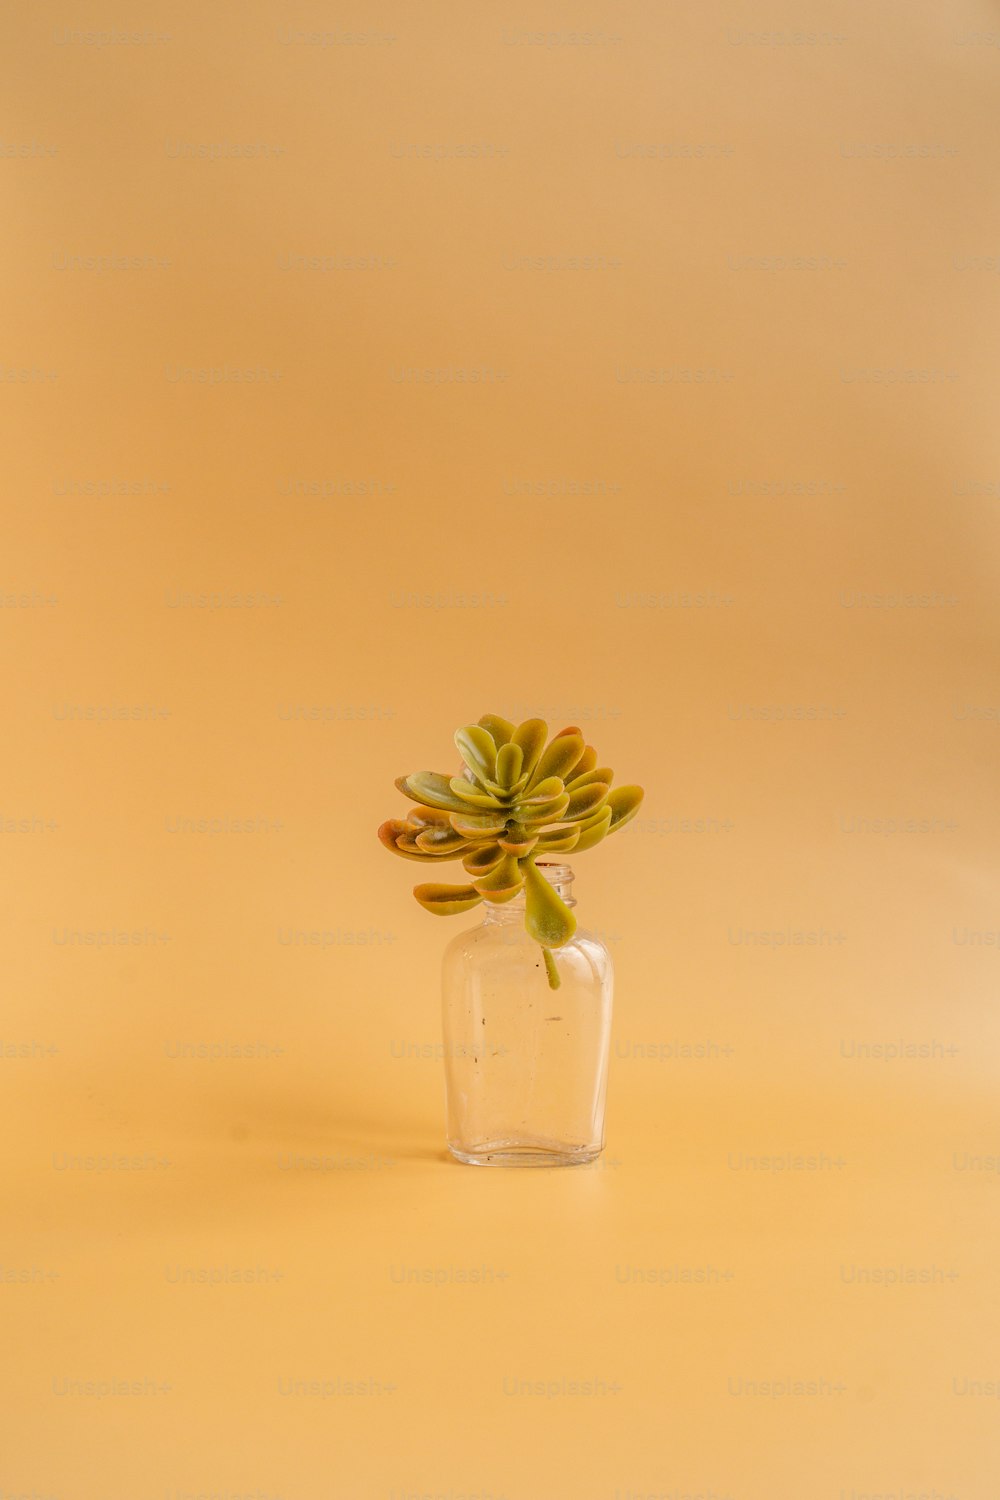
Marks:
<point>526,1065</point>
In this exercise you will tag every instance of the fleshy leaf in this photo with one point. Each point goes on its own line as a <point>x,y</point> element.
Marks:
<point>586,799</point>
<point>473,825</point>
<point>510,758</point>
<point>471,793</point>
<point>442,842</point>
<point>542,791</point>
<point>430,788</point>
<point>594,829</point>
<point>497,898</point>
<point>518,840</point>
<point>477,749</point>
<point>389,829</point>
<point>559,840</point>
<point>560,756</point>
<point>500,794</point>
<point>547,917</point>
<point>407,844</point>
<point>586,778</point>
<point>392,830</point>
<point>624,803</point>
<point>428,817</point>
<point>587,762</point>
<point>502,883</point>
<point>482,860</point>
<point>530,737</point>
<point>549,812</point>
<point>500,730</point>
<point>447,900</point>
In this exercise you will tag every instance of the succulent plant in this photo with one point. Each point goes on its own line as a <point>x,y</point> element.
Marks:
<point>517,799</point>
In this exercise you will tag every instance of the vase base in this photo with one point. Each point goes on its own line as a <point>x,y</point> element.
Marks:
<point>525,1154</point>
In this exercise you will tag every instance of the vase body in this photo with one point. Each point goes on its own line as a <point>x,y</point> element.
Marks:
<point>526,1065</point>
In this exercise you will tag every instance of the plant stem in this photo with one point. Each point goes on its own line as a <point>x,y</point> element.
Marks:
<point>551,970</point>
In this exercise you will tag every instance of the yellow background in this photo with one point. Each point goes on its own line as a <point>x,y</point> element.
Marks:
<point>724,491</point>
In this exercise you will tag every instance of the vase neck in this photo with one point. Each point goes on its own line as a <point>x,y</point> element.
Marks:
<point>560,877</point>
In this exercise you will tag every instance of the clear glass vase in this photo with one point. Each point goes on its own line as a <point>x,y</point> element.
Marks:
<point>526,1065</point>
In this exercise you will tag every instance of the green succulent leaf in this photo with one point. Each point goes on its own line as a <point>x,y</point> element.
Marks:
<point>549,812</point>
<point>587,778</point>
<point>560,756</point>
<point>482,860</point>
<point>428,817</point>
<point>472,794</point>
<point>530,739</point>
<point>443,842</point>
<point>624,803</point>
<point>542,792</point>
<point>478,826</point>
<point>594,829</point>
<point>547,917</point>
<point>389,832</point>
<point>478,749</point>
<point>430,788</point>
<point>587,762</point>
<point>503,882</point>
<point>559,840</point>
<point>518,840</point>
<point>500,794</point>
<point>497,898</point>
<point>447,900</point>
<point>500,730</point>
<point>393,830</point>
<point>510,759</point>
<point>407,844</point>
<point>586,799</point>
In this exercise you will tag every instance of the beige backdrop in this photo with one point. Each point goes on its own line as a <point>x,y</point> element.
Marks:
<point>370,367</point>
